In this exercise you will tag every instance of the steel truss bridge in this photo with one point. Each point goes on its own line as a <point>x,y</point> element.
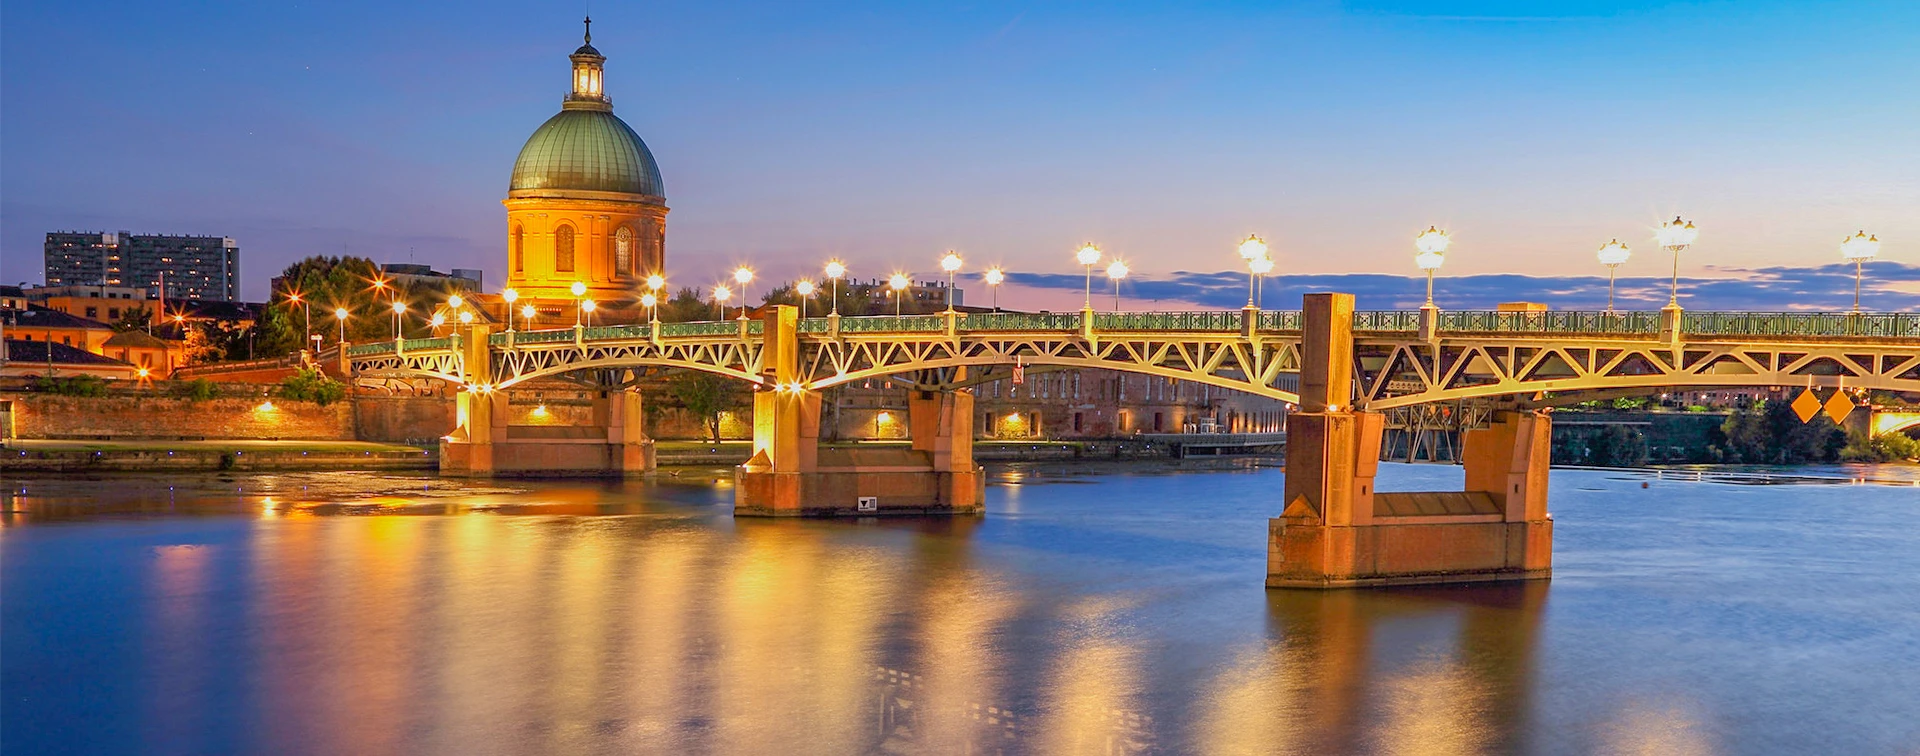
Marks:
<point>1402,358</point>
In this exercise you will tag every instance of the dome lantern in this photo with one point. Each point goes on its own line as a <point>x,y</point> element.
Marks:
<point>589,91</point>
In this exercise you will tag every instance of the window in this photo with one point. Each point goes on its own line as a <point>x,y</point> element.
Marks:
<point>519,250</point>
<point>93,313</point>
<point>563,249</point>
<point>1156,422</point>
<point>623,252</point>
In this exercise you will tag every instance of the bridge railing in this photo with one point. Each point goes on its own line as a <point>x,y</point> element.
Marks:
<point>1863,324</point>
<point>1561,321</point>
<point>894,324</point>
<point>386,347</point>
<point>1020,321</point>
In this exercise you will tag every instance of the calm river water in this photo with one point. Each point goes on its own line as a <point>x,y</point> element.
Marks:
<point>1093,610</point>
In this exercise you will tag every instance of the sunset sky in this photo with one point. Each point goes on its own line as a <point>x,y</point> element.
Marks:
<point>886,134</point>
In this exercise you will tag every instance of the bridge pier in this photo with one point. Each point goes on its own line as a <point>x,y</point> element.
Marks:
<point>484,444</point>
<point>1336,531</point>
<point>789,474</point>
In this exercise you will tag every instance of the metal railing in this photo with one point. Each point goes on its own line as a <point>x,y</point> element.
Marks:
<point>1862,324</point>
<point>892,324</point>
<point>1563,321</point>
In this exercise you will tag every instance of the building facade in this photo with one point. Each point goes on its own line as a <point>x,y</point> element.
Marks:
<point>585,203</point>
<point>191,267</point>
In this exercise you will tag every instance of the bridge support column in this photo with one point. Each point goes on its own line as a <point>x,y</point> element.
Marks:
<point>791,476</point>
<point>629,449</point>
<point>1336,531</point>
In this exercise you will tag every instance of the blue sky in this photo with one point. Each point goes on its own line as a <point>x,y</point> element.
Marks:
<point>887,133</point>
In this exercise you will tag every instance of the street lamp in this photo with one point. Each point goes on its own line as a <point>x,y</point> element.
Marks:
<point>1260,266</point>
<point>1432,244</point>
<point>720,296</point>
<point>648,300</point>
<point>1612,255</point>
<point>1254,248</point>
<point>455,301</point>
<point>399,309</point>
<point>835,269</point>
<point>950,264</point>
<point>1675,237</point>
<point>509,296</point>
<point>1088,256</point>
<point>586,305</point>
<point>340,314</point>
<point>656,282</point>
<point>579,289</point>
<point>898,283</point>
<point>805,289</point>
<point>743,276</point>
<point>306,334</point>
<point>1115,272</point>
<point>1859,248</point>
<point>438,320</point>
<point>995,277</point>
<point>526,315</point>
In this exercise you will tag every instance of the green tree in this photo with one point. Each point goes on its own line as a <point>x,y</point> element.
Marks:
<point>1619,446</point>
<point>686,306</point>
<point>325,284</point>
<point>311,385</point>
<point>705,396</point>
<point>133,319</point>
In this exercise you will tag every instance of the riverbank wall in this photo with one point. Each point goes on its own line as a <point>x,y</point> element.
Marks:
<point>28,456</point>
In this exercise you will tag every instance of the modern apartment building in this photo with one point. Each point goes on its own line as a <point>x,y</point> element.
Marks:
<point>193,267</point>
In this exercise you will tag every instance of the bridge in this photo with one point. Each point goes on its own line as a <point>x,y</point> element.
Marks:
<point>1343,367</point>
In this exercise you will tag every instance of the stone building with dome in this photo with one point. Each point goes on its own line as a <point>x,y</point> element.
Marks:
<point>586,203</point>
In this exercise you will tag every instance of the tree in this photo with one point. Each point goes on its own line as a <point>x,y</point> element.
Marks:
<point>1619,446</point>
<point>323,284</point>
<point>705,395</point>
<point>313,386</point>
<point>206,341</point>
<point>686,306</point>
<point>133,319</point>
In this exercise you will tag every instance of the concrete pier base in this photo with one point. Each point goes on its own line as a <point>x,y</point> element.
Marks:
<point>482,447</point>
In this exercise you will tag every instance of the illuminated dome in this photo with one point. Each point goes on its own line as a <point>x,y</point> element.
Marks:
<point>591,150</point>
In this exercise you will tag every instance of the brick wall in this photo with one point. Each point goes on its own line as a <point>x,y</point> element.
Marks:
<point>160,417</point>
<point>400,419</point>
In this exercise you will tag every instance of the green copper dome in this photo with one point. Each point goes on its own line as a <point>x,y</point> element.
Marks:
<point>587,150</point>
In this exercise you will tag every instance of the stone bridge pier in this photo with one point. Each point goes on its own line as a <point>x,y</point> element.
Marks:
<point>790,475</point>
<point>1336,531</point>
<point>484,444</point>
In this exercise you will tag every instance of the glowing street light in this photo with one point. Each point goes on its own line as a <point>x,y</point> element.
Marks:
<point>950,264</point>
<point>649,301</point>
<point>399,309</point>
<point>579,290</point>
<point>1432,244</point>
<point>1088,256</point>
<point>995,277</point>
<point>340,314</point>
<point>526,315</point>
<point>586,305</point>
<point>898,283</point>
<point>1612,255</point>
<point>466,317</point>
<point>1253,247</point>
<point>720,296</point>
<point>1115,272</point>
<point>656,282</point>
<point>306,309</point>
<point>1260,266</point>
<point>438,320</point>
<point>455,301</point>
<point>1675,237</point>
<point>743,276</point>
<point>805,289</point>
<point>836,269</point>
<point>1859,248</point>
<point>509,296</point>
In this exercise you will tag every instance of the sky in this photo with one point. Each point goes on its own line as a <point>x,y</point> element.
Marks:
<point>885,134</point>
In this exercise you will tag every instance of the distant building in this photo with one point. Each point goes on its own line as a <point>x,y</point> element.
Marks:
<point>409,274</point>
<point>105,304</point>
<point>13,298</point>
<point>919,297</point>
<point>19,358</point>
<point>193,267</point>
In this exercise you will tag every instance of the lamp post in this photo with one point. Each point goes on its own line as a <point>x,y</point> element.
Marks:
<point>898,283</point>
<point>306,334</point>
<point>805,289</point>
<point>526,315</point>
<point>656,283</point>
<point>1675,237</point>
<point>1432,244</point>
<point>586,306</point>
<point>836,269</point>
<point>340,314</point>
<point>1858,249</point>
<point>1612,255</point>
<point>950,264</point>
<point>1088,256</point>
<point>720,296</point>
<point>1260,266</point>
<point>649,301</point>
<point>579,289</point>
<point>1252,249</point>
<point>1115,272</point>
<point>743,276</point>
<point>438,319</point>
<point>995,277</point>
<point>509,296</point>
<point>399,309</point>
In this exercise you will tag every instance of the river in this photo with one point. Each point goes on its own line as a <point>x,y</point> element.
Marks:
<point>1094,609</point>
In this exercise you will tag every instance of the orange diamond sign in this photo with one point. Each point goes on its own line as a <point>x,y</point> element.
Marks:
<point>1806,405</point>
<point>1838,406</point>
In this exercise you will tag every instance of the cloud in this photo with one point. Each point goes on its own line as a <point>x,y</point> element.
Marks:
<point>1888,287</point>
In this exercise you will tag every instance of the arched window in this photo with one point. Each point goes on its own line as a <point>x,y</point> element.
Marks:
<point>623,251</point>
<point>519,250</point>
<point>563,249</point>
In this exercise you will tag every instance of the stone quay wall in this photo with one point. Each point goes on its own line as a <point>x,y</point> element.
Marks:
<point>138,417</point>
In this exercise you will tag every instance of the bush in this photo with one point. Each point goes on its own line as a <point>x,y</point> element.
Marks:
<point>1886,447</point>
<point>310,385</point>
<point>196,390</point>
<point>79,385</point>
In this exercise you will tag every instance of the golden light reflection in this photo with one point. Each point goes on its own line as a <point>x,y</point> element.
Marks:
<point>1092,686</point>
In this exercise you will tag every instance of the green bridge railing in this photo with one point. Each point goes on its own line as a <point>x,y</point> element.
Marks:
<point>1567,322</point>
